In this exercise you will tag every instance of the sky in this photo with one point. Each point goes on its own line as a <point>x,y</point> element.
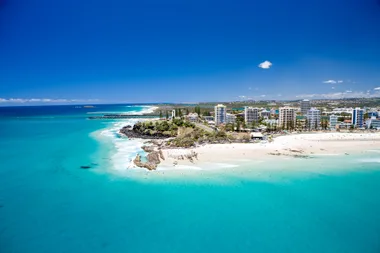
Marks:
<point>121,51</point>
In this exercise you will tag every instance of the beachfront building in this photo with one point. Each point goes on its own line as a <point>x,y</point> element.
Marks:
<point>251,115</point>
<point>373,123</point>
<point>287,117</point>
<point>333,121</point>
<point>301,122</point>
<point>192,117</point>
<point>313,119</point>
<point>305,106</point>
<point>265,114</point>
<point>220,114</point>
<point>230,118</point>
<point>357,117</point>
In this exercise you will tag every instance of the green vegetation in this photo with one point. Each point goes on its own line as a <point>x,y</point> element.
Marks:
<point>190,137</point>
<point>161,128</point>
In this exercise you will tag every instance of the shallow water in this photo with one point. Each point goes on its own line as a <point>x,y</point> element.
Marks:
<point>49,204</point>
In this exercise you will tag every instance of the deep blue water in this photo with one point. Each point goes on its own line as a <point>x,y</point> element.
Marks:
<point>48,204</point>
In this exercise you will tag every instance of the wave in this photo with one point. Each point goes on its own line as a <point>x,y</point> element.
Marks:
<point>370,160</point>
<point>141,110</point>
<point>373,150</point>
<point>122,150</point>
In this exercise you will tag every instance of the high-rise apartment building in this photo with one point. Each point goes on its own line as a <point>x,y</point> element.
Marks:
<point>287,117</point>
<point>357,117</point>
<point>251,114</point>
<point>305,106</point>
<point>314,118</point>
<point>220,114</point>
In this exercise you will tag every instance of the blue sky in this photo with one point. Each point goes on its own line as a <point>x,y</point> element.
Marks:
<point>187,51</point>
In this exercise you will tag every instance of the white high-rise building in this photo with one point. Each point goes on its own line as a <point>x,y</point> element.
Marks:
<point>305,106</point>
<point>333,121</point>
<point>287,117</point>
<point>358,117</point>
<point>251,114</point>
<point>220,114</point>
<point>314,118</point>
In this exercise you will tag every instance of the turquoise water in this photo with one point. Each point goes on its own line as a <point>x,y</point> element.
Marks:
<point>49,204</point>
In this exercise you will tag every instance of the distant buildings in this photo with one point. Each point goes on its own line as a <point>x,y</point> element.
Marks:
<point>333,121</point>
<point>341,110</point>
<point>305,106</point>
<point>230,118</point>
<point>220,114</point>
<point>287,117</point>
<point>314,118</point>
<point>357,117</point>
<point>251,114</point>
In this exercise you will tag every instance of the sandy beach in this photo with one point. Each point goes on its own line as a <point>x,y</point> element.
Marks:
<point>297,145</point>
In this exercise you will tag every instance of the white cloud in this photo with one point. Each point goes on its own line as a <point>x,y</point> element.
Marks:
<point>265,65</point>
<point>329,81</point>
<point>340,95</point>
<point>44,100</point>
<point>377,88</point>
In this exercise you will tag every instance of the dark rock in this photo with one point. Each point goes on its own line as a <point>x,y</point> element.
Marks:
<point>147,148</point>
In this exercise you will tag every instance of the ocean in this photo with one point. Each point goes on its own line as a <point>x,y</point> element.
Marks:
<point>49,204</point>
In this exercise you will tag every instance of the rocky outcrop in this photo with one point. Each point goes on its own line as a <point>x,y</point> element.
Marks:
<point>153,158</point>
<point>161,154</point>
<point>148,148</point>
<point>150,166</point>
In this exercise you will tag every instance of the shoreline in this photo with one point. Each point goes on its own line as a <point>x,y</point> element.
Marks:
<point>297,146</point>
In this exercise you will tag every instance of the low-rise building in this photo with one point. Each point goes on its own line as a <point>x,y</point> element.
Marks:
<point>208,118</point>
<point>192,117</point>
<point>333,121</point>
<point>265,114</point>
<point>373,123</point>
<point>301,122</point>
<point>230,118</point>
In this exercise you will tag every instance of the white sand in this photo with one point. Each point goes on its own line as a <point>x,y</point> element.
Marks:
<point>299,144</point>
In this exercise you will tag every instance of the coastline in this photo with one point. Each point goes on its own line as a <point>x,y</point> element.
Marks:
<point>297,146</point>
